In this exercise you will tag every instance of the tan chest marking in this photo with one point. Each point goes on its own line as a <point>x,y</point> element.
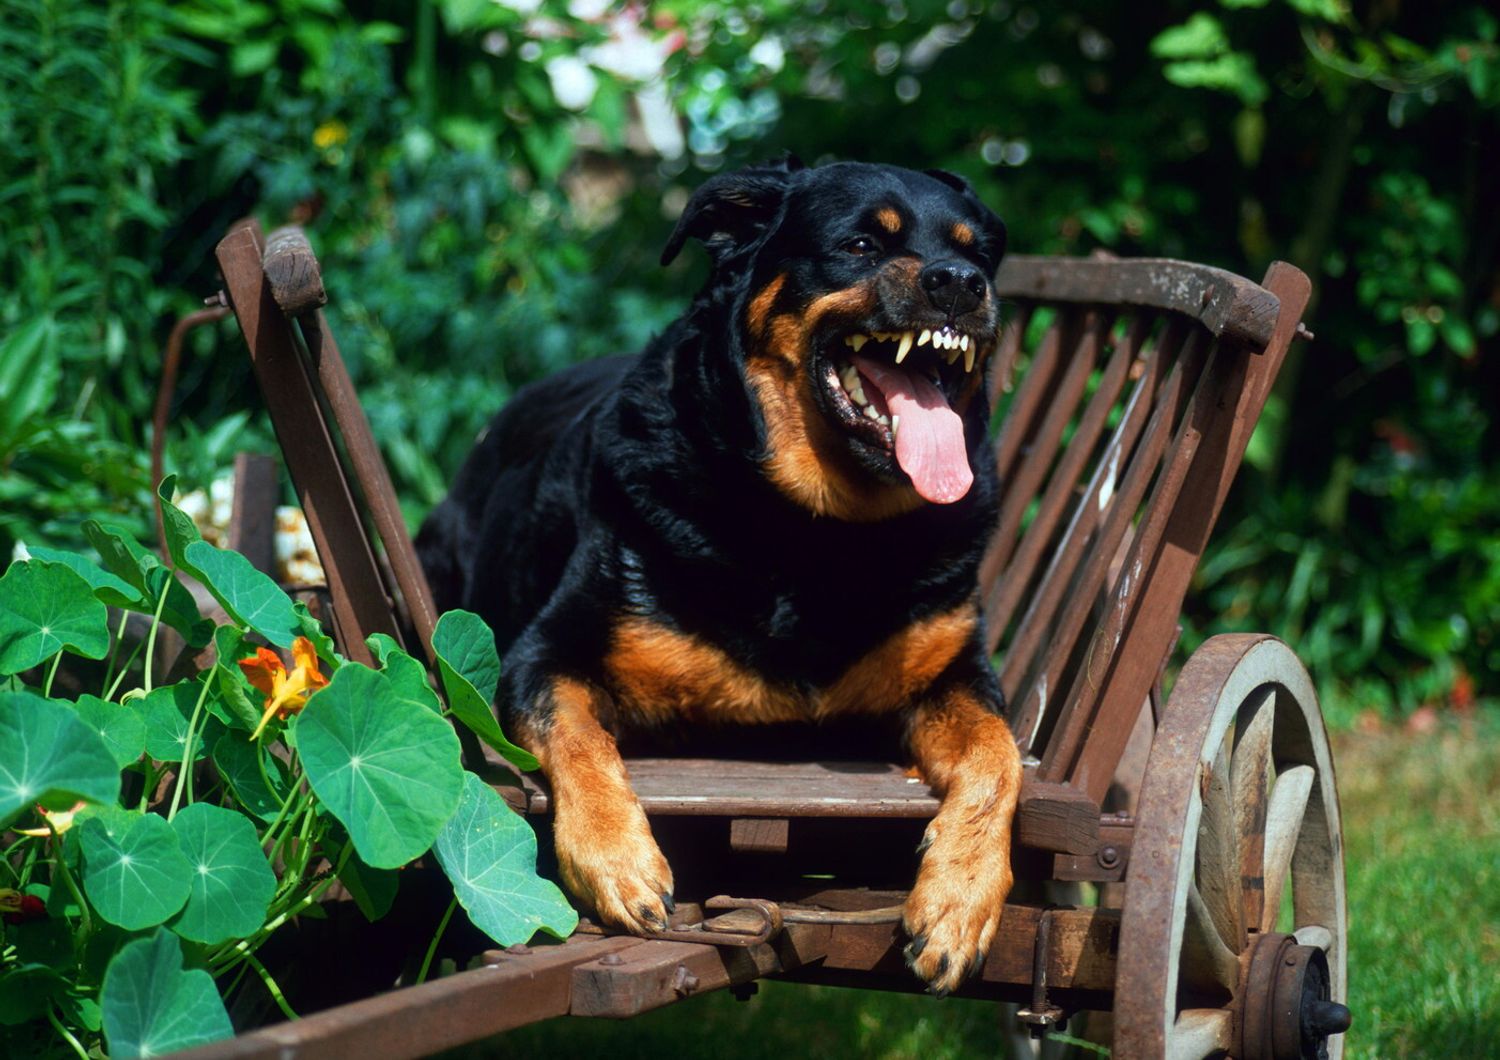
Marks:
<point>657,674</point>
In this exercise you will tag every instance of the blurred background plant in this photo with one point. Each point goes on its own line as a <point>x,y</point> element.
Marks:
<point>488,185</point>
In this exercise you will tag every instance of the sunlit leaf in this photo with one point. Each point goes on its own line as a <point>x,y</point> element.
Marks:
<point>489,852</point>
<point>44,609</point>
<point>150,1005</point>
<point>121,727</point>
<point>134,872</point>
<point>470,669</point>
<point>49,756</point>
<point>232,883</point>
<point>387,768</point>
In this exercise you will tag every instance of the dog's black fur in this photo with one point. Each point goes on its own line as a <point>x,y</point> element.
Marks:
<point>637,488</point>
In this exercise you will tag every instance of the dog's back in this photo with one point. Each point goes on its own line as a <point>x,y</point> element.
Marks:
<point>495,544</point>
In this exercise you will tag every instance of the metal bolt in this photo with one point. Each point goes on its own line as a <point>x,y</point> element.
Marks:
<point>1208,294</point>
<point>1108,857</point>
<point>611,959</point>
<point>218,298</point>
<point>684,982</point>
<point>1304,333</point>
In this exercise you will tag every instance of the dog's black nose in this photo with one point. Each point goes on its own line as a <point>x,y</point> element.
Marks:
<point>954,287</point>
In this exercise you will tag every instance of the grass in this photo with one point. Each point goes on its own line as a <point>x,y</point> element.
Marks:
<point>1422,839</point>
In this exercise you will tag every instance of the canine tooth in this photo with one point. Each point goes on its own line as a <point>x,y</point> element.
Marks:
<point>904,348</point>
<point>969,360</point>
<point>922,338</point>
<point>952,356</point>
<point>895,425</point>
<point>857,341</point>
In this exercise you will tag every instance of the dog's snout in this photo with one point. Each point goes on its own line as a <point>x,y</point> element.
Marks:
<point>953,287</point>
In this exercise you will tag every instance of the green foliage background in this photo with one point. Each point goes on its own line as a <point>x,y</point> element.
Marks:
<point>477,232</point>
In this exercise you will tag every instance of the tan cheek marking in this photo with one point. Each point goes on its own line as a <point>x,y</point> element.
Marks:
<point>889,219</point>
<point>962,234</point>
<point>760,305</point>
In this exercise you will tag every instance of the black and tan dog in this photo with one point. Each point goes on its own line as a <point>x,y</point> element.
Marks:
<point>774,514</point>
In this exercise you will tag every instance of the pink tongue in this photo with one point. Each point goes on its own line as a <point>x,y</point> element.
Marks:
<point>930,441</point>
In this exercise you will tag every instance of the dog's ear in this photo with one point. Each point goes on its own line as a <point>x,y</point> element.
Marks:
<point>993,235</point>
<point>731,209</point>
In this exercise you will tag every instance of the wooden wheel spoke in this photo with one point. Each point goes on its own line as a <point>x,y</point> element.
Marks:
<point>1284,813</point>
<point>1199,1032</point>
<point>1206,961</point>
<point>1250,773</point>
<point>1218,860</point>
<point>1315,935</point>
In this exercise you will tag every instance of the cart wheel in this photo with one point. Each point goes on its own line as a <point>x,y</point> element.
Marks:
<point>1239,805</point>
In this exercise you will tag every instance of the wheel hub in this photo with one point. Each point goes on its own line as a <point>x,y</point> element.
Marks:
<point>1284,1009</point>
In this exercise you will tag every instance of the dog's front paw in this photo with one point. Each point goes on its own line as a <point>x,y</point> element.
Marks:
<point>611,863</point>
<point>953,912</point>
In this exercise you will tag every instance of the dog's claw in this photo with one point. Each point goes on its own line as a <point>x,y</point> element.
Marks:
<point>666,900</point>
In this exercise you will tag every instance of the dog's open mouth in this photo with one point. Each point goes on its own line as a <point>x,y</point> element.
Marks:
<point>893,392</point>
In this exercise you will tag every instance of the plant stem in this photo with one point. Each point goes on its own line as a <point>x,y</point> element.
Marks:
<point>436,937</point>
<point>51,673</point>
<point>109,693</point>
<point>64,1033</point>
<point>155,625</point>
<point>60,864</point>
<point>184,775</point>
<point>114,652</point>
<point>222,960</point>
<point>271,987</point>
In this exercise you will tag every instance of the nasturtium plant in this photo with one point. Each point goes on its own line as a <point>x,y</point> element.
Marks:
<point>209,811</point>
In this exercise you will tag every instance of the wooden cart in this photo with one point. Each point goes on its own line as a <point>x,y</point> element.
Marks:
<point>1137,386</point>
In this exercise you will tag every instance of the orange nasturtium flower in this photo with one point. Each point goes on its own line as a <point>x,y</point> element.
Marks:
<point>286,693</point>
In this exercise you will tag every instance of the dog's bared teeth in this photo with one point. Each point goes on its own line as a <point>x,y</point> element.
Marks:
<point>952,355</point>
<point>905,347</point>
<point>963,342</point>
<point>924,336</point>
<point>857,341</point>
<point>871,413</point>
<point>969,357</point>
<point>895,425</point>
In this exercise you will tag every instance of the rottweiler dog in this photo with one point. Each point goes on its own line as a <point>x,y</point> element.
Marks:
<point>774,514</point>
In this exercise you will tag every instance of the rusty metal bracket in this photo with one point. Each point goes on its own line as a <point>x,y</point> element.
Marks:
<point>1042,1016</point>
<point>744,922</point>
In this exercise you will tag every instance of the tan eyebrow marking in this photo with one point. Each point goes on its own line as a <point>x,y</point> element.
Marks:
<point>962,234</point>
<point>889,219</point>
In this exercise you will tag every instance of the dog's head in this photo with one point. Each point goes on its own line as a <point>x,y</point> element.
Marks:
<point>863,316</point>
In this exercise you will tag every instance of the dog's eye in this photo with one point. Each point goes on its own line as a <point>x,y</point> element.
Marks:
<point>862,245</point>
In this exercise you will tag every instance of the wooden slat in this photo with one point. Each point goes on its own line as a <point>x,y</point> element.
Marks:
<point>1239,389</point>
<point>360,605</point>
<point>1031,399</point>
<point>1021,568</point>
<point>1042,447</point>
<point>1003,364</point>
<point>514,990</point>
<point>1227,305</point>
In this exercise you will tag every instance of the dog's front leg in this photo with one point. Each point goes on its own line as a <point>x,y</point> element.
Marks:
<point>965,751</point>
<point>605,850</point>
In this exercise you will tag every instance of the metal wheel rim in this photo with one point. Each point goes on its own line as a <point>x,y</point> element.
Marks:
<point>1231,678</point>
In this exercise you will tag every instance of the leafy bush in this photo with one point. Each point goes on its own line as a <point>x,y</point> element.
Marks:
<point>176,828</point>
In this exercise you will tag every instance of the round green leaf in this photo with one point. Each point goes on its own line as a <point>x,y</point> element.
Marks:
<point>44,608</point>
<point>235,757</point>
<point>123,557</point>
<point>387,768</point>
<point>470,669</point>
<point>408,677</point>
<point>26,990</point>
<point>49,756</point>
<point>489,852</point>
<point>167,711</point>
<point>151,1006</point>
<point>232,883</point>
<point>251,597</point>
<point>122,728</point>
<point>108,589</point>
<point>134,872</point>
